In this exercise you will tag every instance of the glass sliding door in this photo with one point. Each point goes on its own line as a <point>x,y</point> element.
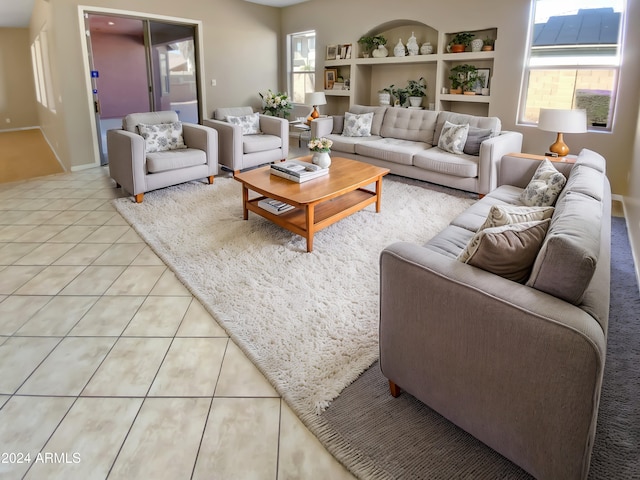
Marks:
<point>140,65</point>
<point>173,72</point>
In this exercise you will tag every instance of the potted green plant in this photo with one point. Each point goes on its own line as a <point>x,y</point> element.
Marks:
<point>416,89</point>
<point>488,44</point>
<point>460,42</point>
<point>370,43</point>
<point>463,78</point>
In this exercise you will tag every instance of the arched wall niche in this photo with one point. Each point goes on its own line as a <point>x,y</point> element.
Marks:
<point>402,29</point>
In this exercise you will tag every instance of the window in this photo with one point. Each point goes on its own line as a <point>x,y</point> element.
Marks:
<point>302,65</point>
<point>42,71</point>
<point>574,59</point>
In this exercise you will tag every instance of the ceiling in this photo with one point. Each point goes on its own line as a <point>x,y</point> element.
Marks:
<point>17,13</point>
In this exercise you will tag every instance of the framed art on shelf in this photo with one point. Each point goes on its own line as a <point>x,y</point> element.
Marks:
<point>484,74</point>
<point>332,52</point>
<point>330,75</point>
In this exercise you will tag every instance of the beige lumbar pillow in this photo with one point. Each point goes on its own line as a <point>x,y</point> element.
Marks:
<point>544,187</point>
<point>508,250</point>
<point>508,214</point>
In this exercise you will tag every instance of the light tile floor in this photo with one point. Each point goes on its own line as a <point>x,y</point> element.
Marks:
<point>110,368</point>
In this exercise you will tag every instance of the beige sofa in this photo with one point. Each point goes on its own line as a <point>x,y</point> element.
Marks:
<point>519,366</point>
<point>405,141</point>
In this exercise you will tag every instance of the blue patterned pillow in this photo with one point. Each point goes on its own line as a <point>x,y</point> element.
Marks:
<point>250,123</point>
<point>453,137</point>
<point>357,124</point>
<point>162,136</point>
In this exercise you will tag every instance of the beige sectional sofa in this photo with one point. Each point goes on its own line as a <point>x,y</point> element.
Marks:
<point>517,365</point>
<point>405,141</point>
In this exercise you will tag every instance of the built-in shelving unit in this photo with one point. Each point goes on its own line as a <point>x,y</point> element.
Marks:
<point>369,75</point>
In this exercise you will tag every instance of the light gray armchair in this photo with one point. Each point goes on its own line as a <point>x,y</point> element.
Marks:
<point>238,151</point>
<point>138,170</point>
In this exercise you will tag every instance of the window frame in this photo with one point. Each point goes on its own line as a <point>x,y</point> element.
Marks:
<point>615,66</point>
<point>291,73</point>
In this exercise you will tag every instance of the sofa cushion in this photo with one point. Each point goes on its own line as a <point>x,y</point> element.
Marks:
<point>475,137</point>
<point>453,138</point>
<point>508,214</point>
<point>378,115</point>
<point>408,124</point>
<point>162,136</point>
<point>223,113</point>
<point>438,160</point>
<point>260,143</point>
<point>507,194</point>
<point>591,159</point>
<point>357,124</point>
<point>507,250</point>
<point>450,241</point>
<point>175,159</point>
<point>569,254</point>
<point>348,144</point>
<point>585,180</point>
<point>545,185</point>
<point>391,149</point>
<point>250,123</point>
<point>492,123</point>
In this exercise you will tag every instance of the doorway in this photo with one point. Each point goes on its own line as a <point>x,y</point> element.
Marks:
<point>140,65</point>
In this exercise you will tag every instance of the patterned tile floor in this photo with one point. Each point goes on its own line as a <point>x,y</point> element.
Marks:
<point>110,368</point>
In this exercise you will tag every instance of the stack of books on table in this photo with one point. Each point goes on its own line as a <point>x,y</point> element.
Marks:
<point>274,206</point>
<point>297,170</point>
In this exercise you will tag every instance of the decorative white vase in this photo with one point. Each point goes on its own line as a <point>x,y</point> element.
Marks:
<point>412,45</point>
<point>384,98</point>
<point>477,44</point>
<point>399,50</point>
<point>380,52</point>
<point>322,159</point>
<point>426,48</point>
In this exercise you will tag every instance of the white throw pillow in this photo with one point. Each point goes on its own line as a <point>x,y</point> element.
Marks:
<point>453,137</point>
<point>250,123</point>
<point>357,124</point>
<point>162,137</point>
<point>508,214</point>
<point>544,187</point>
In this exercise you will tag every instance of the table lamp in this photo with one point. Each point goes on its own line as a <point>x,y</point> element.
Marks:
<point>562,121</point>
<point>314,99</point>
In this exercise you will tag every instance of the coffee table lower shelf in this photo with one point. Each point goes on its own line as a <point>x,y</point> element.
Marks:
<point>305,220</point>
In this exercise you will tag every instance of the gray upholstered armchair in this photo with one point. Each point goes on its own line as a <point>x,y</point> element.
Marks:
<point>239,151</point>
<point>149,152</point>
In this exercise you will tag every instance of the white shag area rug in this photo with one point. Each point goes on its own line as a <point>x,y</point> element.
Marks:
<point>309,321</point>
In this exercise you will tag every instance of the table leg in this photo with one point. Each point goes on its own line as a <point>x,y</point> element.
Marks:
<point>245,201</point>
<point>378,194</point>
<point>310,214</point>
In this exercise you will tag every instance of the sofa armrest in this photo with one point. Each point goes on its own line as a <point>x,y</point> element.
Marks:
<point>278,127</point>
<point>323,126</point>
<point>229,143</point>
<point>127,161</point>
<point>517,368</point>
<point>491,153</point>
<point>203,138</point>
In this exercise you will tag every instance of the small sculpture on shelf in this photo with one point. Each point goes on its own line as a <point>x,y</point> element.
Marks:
<point>426,48</point>
<point>412,45</point>
<point>380,52</point>
<point>399,50</point>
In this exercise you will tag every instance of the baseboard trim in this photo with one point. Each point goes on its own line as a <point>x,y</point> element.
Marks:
<point>633,241</point>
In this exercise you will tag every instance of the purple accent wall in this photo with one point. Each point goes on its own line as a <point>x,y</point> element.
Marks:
<point>121,63</point>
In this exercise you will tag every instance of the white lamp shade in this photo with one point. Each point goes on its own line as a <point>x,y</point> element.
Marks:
<point>315,98</point>
<point>562,121</point>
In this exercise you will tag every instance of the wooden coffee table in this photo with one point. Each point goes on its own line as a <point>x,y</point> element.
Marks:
<point>319,202</point>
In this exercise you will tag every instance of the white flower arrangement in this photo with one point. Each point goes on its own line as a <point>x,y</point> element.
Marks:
<point>320,144</point>
<point>276,104</point>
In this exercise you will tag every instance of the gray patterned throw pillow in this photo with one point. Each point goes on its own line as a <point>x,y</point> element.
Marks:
<point>544,187</point>
<point>453,137</point>
<point>357,124</point>
<point>162,136</point>
<point>250,123</point>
